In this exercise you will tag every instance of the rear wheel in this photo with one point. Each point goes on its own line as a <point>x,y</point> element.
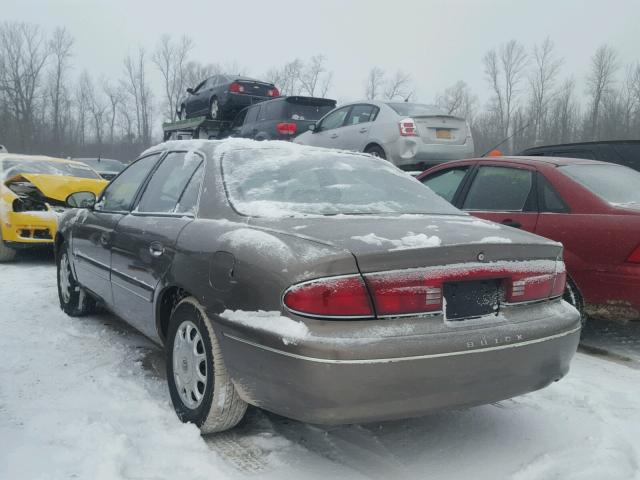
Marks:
<point>6,253</point>
<point>74,300</point>
<point>201,389</point>
<point>214,110</point>
<point>572,296</point>
<point>376,151</point>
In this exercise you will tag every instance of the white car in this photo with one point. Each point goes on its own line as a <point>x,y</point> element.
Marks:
<point>3,149</point>
<point>412,136</point>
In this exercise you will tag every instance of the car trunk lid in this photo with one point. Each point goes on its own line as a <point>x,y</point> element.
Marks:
<point>441,129</point>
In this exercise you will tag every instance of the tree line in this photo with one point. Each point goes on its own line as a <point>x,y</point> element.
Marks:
<point>48,106</point>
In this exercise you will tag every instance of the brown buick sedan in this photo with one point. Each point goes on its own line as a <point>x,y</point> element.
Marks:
<point>326,286</point>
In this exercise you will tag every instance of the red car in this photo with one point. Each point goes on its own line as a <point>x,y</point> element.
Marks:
<point>591,207</point>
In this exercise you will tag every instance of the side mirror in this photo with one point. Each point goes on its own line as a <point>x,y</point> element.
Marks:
<point>313,127</point>
<point>190,91</point>
<point>81,200</point>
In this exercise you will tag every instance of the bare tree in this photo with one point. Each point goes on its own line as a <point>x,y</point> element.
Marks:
<point>115,98</point>
<point>137,87</point>
<point>374,83</point>
<point>23,55</point>
<point>325,84</point>
<point>60,46</point>
<point>542,82</point>
<point>504,69</point>
<point>171,59</point>
<point>310,74</point>
<point>196,72</point>
<point>600,80</point>
<point>458,100</point>
<point>287,78</point>
<point>398,86</point>
<point>564,118</point>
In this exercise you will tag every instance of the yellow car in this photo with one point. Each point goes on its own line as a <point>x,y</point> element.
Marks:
<point>33,190</point>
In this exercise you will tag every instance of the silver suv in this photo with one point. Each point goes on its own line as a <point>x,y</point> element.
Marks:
<point>412,136</point>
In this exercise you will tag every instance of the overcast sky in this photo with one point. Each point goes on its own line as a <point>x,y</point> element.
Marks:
<point>438,42</point>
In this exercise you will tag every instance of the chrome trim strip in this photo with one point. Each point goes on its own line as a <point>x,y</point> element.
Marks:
<point>90,260</point>
<point>124,287</point>
<point>402,359</point>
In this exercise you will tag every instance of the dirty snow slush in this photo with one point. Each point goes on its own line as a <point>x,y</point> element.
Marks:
<point>83,398</point>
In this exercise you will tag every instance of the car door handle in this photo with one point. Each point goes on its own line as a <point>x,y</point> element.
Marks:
<point>105,239</point>
<point>333,135</point>
<point>512,223</point>
<point>156,249</point>
<point>364,130</point>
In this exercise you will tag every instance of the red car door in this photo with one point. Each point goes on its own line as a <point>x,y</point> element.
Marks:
<point>504,193</point>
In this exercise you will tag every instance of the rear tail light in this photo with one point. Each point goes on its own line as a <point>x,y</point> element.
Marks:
<point>408,128</point>
<point>235,87</point>
<point>419,291</point>
<point>286,128</point>
<point>340,297</point>
<point>635,256</point>
<point>273,92</point>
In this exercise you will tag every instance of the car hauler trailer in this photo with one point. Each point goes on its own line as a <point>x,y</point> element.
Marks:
<point>198,127</point>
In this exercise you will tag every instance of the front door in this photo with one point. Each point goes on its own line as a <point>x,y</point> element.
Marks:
<point>329,130</point>
<point>504,194</point>
<point>93,232</point>
<point>143,249</point>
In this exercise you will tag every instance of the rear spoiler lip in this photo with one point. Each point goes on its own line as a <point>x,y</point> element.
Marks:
<point>316,101</point>
<point>439,115</point>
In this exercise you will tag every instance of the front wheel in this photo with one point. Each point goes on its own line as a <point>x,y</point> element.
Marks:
<point>6,253</point>
<point>74,301</point>
<point>200,387</point>
<point>376,151</point>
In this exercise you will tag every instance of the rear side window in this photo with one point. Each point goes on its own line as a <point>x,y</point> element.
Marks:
<point>168,182</point>
<point>120,193</point>
<point>361,114</point>
<point>252,115</point>
<point>446,183</point>
<point>271,111</point>
<point>550,200</point>
<point>500,189</point>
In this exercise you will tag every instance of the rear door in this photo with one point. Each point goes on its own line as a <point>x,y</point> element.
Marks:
<point>503,193</point>
<point>355,133</point>
<point>145,238</point>
<point>93,231</point>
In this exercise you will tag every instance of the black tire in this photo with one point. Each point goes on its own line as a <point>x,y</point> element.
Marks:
<point>7,254</point>
<point>572,295</point>
<point>74,300</point>
<point>217,114</point>
<point>376,151</point>
<point>219,407</point>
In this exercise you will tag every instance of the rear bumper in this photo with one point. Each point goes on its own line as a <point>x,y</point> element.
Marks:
<point>26,228</point>
<point>330,381</point>
<point>412,151</point>
<point>612,294</point>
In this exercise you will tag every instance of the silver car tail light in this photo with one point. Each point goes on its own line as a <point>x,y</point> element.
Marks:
<point>408,128</point>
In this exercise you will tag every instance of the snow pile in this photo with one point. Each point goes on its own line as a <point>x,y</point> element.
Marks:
<point>411,240</point>
<point>290,330</point>
<point>494,240</point>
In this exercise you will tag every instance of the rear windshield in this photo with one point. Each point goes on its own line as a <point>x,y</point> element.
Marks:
<point>301,111</point>
<point>11,168</point>
<point>614,183</point>
<point>415,109</point>
<point>294,181</point>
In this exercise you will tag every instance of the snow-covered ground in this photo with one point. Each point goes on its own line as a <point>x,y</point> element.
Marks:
<point>85,399</point>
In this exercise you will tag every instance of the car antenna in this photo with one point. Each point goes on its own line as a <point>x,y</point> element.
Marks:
<point>505,140</point>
